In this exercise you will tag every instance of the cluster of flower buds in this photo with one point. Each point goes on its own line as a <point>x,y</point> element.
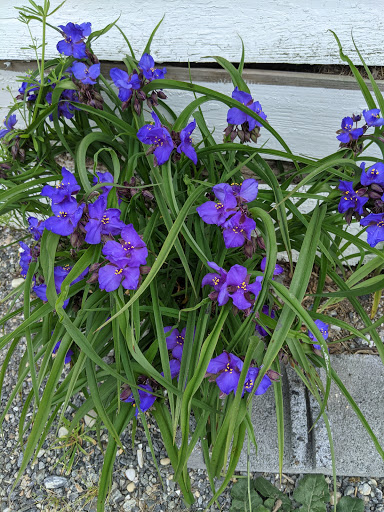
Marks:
<point>249,128</point>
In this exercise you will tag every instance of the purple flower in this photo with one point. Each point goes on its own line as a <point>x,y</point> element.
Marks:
<point>234,285</point>
<point>174,366</point>
<point>269,312</point>
<point>62,193</point>
<point>36,227</point>
<point>25,258</point>
<point>59,274</point>
<point>375,230</point>
<point>347,132</point>
<point>244,192</point>
<point>125,83</point>
<point>236,116</point>
<point>73,42</point>
<point>372,117</point>
<point>227,367</point>
<point>113,274</point>
<point>375,174</point>
<point>131,250</point>
<point>186,142</point>
<point>237,230</point>
<point>102,221</point>
<point>29,88</point>
<point>147,66</point>
<point>217,281</point>
<point>238,286</point>
<point>277,271</point>
<point>9,124</point>
<point>147,399</point>
<point>64,107</point>
<point>250,382</point>
<point>350,199</point>
<point>68,355</point>
<point>103,177</point>
<point>218,213</point>
<point>65,219</point>
<point>86,75</point>
<point>159,138</point>
<point>175,341</point>
<point>323,328</point>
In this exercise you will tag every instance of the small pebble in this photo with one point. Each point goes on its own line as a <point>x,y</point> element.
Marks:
<point>17,282</point>
<point>131,487</point>
<point>165,462</point>
<point>55,482</point>
<point>130,473</point>
<point>90,418</point>
<point>62,432</point>
<point>140,459</point>
<point>364,489</point>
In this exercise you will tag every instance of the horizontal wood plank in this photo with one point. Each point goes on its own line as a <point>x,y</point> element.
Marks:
<point>306,117</point>
<point>274,31</point>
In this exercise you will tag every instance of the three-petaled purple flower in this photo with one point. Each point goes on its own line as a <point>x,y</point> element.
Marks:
<point>63,192</point>
<point>147,399</point>
<point>25,258</point>
<point>125,259</point>
<point>217,213</point>
<point>372,117</point>
<point>227,367</point>
<point>237,230</point>
<point>103,177</point>
<point>125,83</point>
<point>65,219</point>
<point>350,199</point>
<point>186,142</point>
<point>86,74</point>
<point>36,227</point>
<point>244,192</point>
<point>235,285</point>
<point>159,138</point>
<point>375,230</point>
<point>250,379</point>
<point>147,66</point>
<point>102,221</point>
<point>29,89</point>
<point>59,274</point>
<point>374,174</point>
<point>9,125</point>
<point>175,341</point>
<point>73,43</point>
<point>347,132</point>
<point>68,355</point>
<point>323,328</point>
<point>277,270</point>
<point>236,116</point>
<point>268,312</point>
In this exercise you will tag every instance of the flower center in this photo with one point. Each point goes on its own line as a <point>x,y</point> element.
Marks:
<point>67,268</point>
<point>215,281</point>
<point>180,340</point>
<point>229,369</point>
<point>242,286</point>
<point>62,215</point>
<point>374,172</point>
<point>105,219</point>
<point>237,229</point>
<point>68,39</point>
<point>219,206</point>
<point>249,384</point>
<point>118,271</point>
<point>128,246</point>
<point>381,224</point>
<point>86,71</point>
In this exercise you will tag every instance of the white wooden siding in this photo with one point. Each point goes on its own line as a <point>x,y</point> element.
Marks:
<point>273,30</point>
<point>306,117</point>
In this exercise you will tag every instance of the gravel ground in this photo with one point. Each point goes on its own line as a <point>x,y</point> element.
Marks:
<point>136,483</point>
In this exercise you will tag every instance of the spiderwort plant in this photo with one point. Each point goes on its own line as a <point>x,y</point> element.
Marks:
<point>127,279</point>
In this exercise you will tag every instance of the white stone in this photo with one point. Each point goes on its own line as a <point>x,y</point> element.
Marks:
<point>63,432</point>
<point>332,499</point>
<point>41,453</point>
<point>131,487</point>
<point>140,459</point>
<point>364,489</point>
<point>17,282</point>
<point>130,473</point>
<point>55,482</point>
<point>165,462</point>
<point>90,418</point>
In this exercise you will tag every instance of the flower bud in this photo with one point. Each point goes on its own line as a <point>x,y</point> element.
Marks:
<point>241,135</point>
<point>377,188</point>
<point>147,195</point>
<point>260,242</point>
<point>274,376</point>
<point>161,95</point>
<point>137,106</point>
<point>141,95</point>
<point>233,135</point>
<point>145,269</point>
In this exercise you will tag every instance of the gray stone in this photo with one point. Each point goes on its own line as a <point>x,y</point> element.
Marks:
<point>55,482</point>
